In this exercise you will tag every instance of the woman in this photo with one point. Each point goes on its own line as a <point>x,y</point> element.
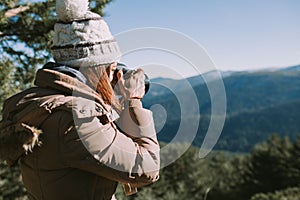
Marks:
<point>73,138</point>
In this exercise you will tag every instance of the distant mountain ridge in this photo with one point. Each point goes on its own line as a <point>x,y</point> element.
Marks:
<point>258,102</point>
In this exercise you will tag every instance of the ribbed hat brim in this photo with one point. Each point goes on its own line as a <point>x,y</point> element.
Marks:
<point>87,55</point>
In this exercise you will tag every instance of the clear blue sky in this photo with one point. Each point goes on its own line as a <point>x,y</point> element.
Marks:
<point>237,34</point>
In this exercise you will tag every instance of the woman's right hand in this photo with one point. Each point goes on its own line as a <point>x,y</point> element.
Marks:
<point>132,84</point>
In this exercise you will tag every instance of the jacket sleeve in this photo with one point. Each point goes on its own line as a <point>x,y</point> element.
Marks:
<point>130,156</point>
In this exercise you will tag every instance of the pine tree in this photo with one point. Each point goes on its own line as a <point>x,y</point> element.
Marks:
<point>268,167</point>
<point>294,169</point>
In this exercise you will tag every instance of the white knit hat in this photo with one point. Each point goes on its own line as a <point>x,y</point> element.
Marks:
<point>82,38</point>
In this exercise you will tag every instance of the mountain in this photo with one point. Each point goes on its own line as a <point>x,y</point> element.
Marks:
<point>259,103</point>
<point>243,130</point>
<point>293,68</point>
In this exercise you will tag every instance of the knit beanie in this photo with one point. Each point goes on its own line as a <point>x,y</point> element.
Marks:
<point>81,37</point>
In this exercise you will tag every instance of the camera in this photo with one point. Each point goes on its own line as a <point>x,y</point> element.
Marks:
<point>126,71</point>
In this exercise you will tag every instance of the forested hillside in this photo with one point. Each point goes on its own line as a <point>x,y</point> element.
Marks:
<point>258,104</point>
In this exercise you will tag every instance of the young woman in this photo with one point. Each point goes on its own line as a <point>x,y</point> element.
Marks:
<point>73,137</point>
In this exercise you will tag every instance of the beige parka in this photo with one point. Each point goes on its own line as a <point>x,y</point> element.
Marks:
<point>78,148</point>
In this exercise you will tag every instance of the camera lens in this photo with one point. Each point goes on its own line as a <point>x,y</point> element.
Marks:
<point>147,83</point>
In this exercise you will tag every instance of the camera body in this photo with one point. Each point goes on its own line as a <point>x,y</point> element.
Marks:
<point>127,71</point>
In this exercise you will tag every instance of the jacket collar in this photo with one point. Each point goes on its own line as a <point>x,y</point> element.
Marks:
<point>66,70</point>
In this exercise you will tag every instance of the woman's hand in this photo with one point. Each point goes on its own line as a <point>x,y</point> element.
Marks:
<point>132,84</point>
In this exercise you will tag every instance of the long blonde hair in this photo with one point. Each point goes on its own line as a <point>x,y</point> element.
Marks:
<point>98,80</point>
